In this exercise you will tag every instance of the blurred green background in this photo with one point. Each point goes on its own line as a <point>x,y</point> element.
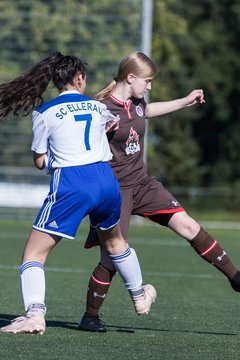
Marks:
<point>195,151</point>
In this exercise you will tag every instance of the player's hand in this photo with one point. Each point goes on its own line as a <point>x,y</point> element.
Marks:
<point>111,126</point>
<point>196,96</point>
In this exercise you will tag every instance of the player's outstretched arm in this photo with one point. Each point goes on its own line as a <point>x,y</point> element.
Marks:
<point>165,107</point>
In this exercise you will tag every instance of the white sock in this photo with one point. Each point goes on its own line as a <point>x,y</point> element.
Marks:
<point>128,267</point>
<point>33,286</point>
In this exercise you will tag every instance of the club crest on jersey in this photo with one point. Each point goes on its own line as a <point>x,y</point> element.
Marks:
<point>132,143</point>
<point>139,110</point>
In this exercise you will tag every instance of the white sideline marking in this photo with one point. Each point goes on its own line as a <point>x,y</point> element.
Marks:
<point>225,225</point>
<point>150,273</point>
<point>208,224</point>
<point>159,242</point>
<point>153,241</point>
<point>52,269</point>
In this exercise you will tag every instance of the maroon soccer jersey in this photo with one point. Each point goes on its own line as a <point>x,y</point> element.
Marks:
<point>141,194</point>
<point>127,143</point>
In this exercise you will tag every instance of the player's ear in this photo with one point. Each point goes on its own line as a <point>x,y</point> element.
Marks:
<point>130,78</point>
<point>79,80</point>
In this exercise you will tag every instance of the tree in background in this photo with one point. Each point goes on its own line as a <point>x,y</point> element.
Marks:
<point>99,32</point>
<point>173,153</point>
<point>196,45</point>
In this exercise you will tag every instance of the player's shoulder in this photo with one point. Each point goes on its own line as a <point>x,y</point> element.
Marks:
<point>61,99</point>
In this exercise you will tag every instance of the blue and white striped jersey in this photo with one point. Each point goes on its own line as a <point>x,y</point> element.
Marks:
<point>71,129</point>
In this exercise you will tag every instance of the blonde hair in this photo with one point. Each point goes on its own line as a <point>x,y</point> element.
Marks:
<point>136,63</point>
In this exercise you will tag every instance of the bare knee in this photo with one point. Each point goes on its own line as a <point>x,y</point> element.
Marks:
<point>112,240</point>
<point>184,225</point>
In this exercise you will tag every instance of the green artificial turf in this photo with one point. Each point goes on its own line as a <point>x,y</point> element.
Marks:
<point>196,314</point>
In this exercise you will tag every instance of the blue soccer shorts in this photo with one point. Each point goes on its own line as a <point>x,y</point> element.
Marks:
<point>78,191</point>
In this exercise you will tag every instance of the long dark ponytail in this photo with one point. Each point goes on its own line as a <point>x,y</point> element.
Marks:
<point>23,94</point>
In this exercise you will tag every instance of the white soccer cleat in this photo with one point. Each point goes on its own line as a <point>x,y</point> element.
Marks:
<point>143,303</point>
<point>33,324</point>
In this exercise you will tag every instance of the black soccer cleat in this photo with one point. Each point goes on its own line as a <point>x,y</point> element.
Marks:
<point>92,323</point>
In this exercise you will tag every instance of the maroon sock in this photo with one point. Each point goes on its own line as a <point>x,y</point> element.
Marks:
<point>98,286</point>
<point>209,249</point>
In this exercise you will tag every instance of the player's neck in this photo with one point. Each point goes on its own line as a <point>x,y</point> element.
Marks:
<point>122,93</point>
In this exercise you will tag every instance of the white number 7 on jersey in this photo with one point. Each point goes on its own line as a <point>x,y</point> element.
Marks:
<point>88,119</point>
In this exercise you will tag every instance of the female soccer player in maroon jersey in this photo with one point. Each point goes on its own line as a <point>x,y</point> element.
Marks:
<point>141,194</point>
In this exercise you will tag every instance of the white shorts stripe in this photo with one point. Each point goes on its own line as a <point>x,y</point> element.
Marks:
<point>51,200</point>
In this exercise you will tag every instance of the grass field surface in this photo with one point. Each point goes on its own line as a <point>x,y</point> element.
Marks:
<point>196,315</point>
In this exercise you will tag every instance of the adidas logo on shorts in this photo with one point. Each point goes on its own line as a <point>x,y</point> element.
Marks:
<point>53,224</point>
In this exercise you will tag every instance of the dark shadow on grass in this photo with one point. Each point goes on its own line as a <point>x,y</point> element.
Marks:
<point>5,319</point>
<point>128,329</point>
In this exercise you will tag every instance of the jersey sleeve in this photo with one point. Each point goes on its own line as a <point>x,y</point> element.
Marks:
<point>40,133</point>
<point>108,116</point>
<point>110,120</point>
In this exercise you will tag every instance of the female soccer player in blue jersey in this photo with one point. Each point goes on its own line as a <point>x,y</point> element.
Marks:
<point>142,194</point>
<point>69,140</point>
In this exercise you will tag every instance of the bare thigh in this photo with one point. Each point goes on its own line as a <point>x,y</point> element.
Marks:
<point>38,246</point>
